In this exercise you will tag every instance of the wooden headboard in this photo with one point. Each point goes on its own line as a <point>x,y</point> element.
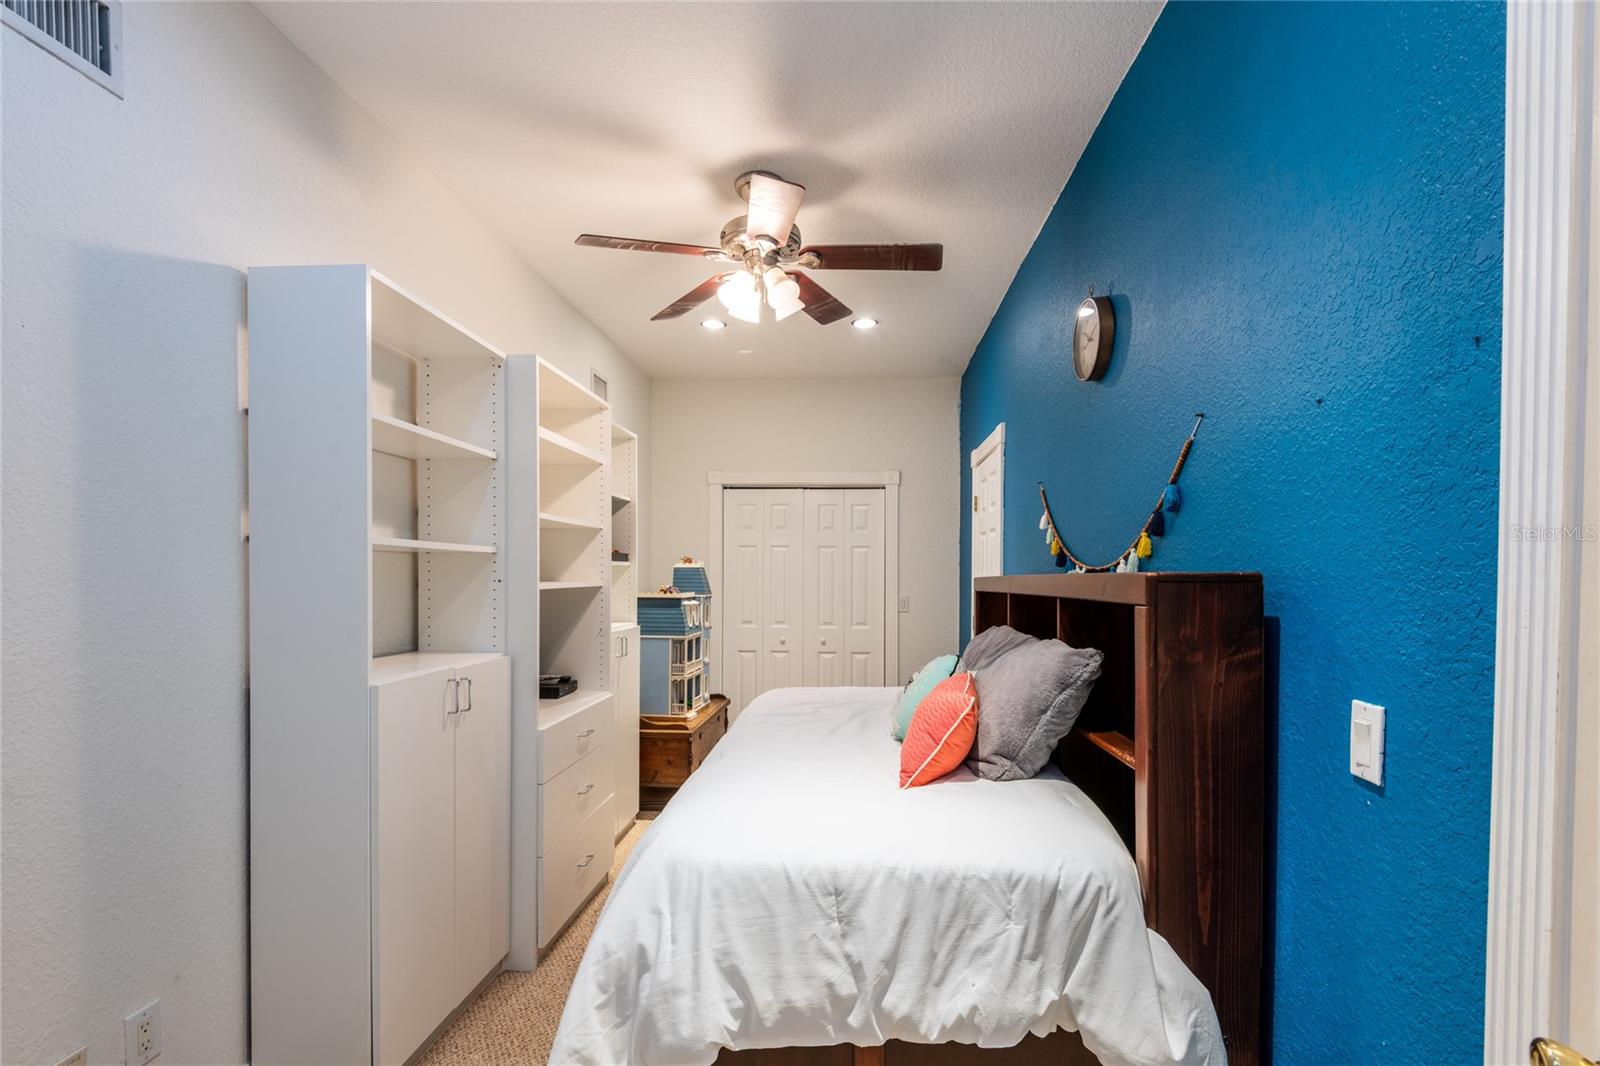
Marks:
<point>1170,746</point>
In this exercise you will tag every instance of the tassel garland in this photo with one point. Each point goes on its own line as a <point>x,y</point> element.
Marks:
<point>1142,547</point>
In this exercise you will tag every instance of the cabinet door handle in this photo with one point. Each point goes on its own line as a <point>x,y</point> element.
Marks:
<point>587,859</point>
<point>585,734</point>
<point>585,790</point>
<point>468,681</point>
<point>454,704</point>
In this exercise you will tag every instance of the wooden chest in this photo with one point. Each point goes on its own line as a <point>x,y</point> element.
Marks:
<point>670,749</point>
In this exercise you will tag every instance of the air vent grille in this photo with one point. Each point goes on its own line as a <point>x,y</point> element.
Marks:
<point>84,33</point>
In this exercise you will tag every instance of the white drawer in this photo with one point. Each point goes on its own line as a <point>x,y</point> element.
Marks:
<point>572,727</point>
<point>573,869</point>
<point>575,793</point>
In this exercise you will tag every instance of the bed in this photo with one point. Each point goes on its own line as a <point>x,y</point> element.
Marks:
<point>792,897</point>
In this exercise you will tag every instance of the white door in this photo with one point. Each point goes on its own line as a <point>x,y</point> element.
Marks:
<point>625,686</point>
<point>988,505</point>
<point>844,575</point>
<point>483,822</point>
<point>803,581</point>
<point>413,875</point>
<point>782,617</point>
<point>741,595</point>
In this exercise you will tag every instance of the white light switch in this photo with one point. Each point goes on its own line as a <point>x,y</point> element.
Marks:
<point>1366,741</point>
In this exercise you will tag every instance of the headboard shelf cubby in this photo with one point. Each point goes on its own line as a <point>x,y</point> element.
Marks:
<point>1170,746</point>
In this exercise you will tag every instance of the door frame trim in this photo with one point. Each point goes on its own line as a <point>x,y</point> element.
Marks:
<point>995,441</point>
<point>1548,322</point>
<point>887,480</point>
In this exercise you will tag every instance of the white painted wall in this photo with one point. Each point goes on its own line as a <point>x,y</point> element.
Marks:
<point>749,425</point>
<point>127,225</point>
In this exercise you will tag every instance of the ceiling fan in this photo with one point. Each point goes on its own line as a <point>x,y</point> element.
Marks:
<point>764,247</point>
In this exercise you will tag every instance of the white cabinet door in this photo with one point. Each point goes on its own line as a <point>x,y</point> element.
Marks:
<point>413,861</point>
<point>628,735</point>
<point>844,575</point>
<point>625,683</point>
<point>482,823</point>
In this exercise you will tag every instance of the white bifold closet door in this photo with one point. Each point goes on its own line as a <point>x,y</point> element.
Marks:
<point>803,586</point>
<point>843,602</point>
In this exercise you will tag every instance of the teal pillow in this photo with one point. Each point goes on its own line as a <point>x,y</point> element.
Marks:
<point>917,689</point>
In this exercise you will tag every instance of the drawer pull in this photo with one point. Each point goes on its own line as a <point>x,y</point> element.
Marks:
<point>585,790</point>
<point>587,859</point>
<point>586,733</point>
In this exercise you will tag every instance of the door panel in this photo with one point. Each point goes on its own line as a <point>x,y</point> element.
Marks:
<point>482,823</point>
<point>824,586</point>
<point>864,537</point>
<point>781,594</point>
<point>741,617</point>
<point>413,861</point>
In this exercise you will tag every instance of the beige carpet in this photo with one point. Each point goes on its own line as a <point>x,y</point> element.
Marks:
<point>515,1019</point>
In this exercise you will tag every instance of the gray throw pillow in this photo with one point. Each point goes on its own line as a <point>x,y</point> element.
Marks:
<point>987,647</point>
<point>1028,700</point>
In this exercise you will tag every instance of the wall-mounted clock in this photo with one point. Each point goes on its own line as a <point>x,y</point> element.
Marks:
<point>1092,331</point>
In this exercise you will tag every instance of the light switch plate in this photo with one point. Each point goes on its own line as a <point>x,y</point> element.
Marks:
<point>1366,741</point>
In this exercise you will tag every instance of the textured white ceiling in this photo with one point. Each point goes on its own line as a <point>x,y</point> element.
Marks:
<point>906,122</point>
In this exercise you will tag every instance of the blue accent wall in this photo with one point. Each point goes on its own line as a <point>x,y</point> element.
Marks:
<point>1297,209</point>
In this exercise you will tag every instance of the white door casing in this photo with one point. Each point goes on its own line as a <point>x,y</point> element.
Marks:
<point>1534,984</point>
<point>988,506</point>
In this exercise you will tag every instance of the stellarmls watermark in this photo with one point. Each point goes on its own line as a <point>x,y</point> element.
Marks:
<point>1587,533</point>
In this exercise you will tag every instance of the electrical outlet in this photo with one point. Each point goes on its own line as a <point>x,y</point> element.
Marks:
<point>77,1058</point>
<point>142,1030</point>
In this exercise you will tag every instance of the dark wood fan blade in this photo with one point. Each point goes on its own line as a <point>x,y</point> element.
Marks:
<point>821,304</point>
<point>877,256</point>
<point>691,299</point>
<point>629,244</point>
<point>773,205</point>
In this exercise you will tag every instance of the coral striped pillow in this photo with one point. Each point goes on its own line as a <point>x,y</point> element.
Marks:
<point>941,732</point>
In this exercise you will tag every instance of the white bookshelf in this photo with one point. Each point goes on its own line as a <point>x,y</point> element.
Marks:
<point>574,446</point>
<point>624,526</point>
<point>559,451</point>
<point>378,559</point>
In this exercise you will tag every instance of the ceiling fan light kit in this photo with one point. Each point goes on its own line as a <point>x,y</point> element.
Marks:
<point>765,248</point>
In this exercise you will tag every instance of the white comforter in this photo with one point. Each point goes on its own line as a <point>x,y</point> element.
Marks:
<point>791,894</point>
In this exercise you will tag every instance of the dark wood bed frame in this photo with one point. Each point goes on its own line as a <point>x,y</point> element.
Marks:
<point>1170,746</point>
